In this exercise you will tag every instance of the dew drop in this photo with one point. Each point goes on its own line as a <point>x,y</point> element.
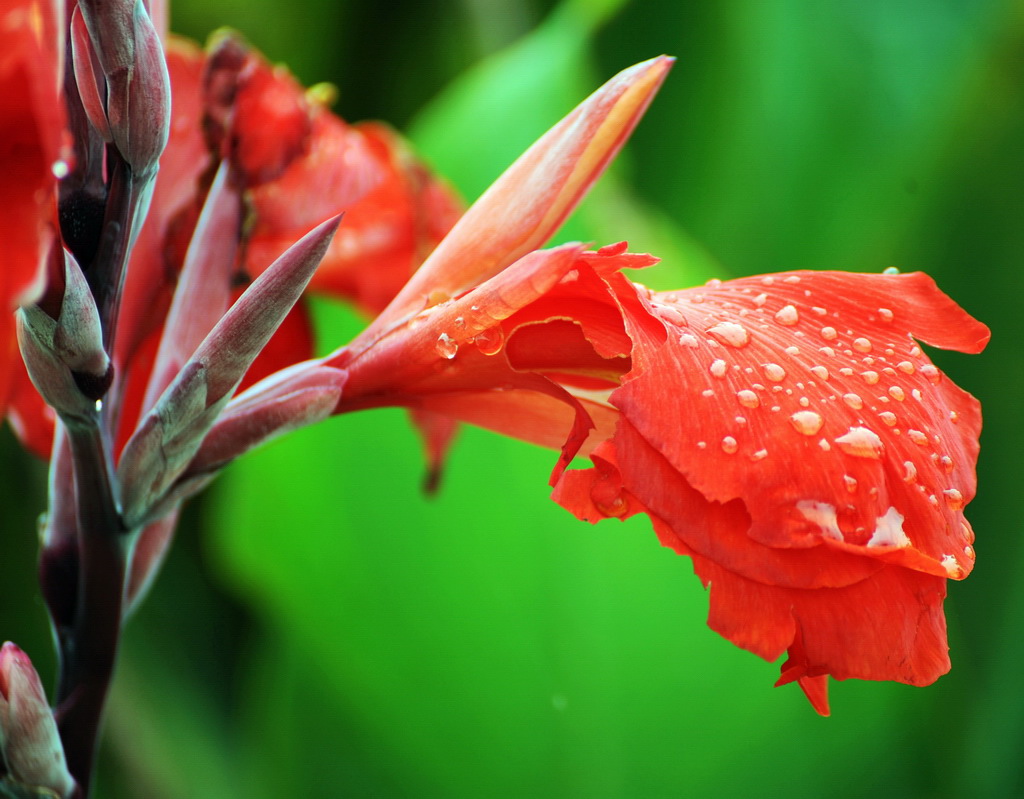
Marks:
<point>947,463</point>
<point>490,341</point>
<point>719,367</point>
<point>774,372</point>
<point>850,483</point>
<point>969,552</point>
<point>897,393</point>
<point>707,393</point>
<point>820,372</point>
<point>862,344</point>
<point>932,373</point>
<point>885,314</point>
<point>918,437</point>
<point>854,401</point>
<point>729,445</point>
<point>787,315</point>
<point>747,398</point>
<point>909,472</point>
<point>688,340</point>
<point>954,499</point>
<point>730,333</point>
<point>916,394</point>
<point>890,270</point>
<point>702,445</point>
<point>819,310</point>
<point>953,569</point>
<point>888,417</point>
<point>828,333</point>
<point>870,377</point>
<point>760,300</point>
<point>60,168</point>
<point>768,280</point>
<point>906,367</point>
<point>741,420</point>
<point>806,422</point>
<point>831,353</point>
<point>861,443</point>
<point>669,314</point>
<point>954,417</point>
<point>446,346</point>
<point>459,322</point>
<point>761,454</point>
<point>792,350</point>
<point>804,402</point>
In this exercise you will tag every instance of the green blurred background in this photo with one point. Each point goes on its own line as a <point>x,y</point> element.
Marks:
<point>322,629</point>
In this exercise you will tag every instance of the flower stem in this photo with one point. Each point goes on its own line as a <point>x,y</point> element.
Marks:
<point>88,648</point>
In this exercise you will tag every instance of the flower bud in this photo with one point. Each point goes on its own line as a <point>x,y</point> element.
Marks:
<point>65,356</point>
<point>138,91</point>
<point>28,733</point>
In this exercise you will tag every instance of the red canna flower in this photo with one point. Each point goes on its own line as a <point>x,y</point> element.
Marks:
<point>32,132</point>
<point>786,432</point>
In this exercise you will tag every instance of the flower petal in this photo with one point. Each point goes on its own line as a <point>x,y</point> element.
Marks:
<point>803,396</point>
<point>529,202</point>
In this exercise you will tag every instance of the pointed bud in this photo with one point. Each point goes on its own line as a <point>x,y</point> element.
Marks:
<point>138,90</point>
<point>65,356</point>
<point>529,202</point>
<point>30,741</point>
<point>171,433</point>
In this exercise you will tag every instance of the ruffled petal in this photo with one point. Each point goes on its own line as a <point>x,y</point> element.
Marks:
<point>804,397</point>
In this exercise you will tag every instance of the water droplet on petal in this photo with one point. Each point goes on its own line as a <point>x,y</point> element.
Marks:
<point>688,340</point>
<point>729,445</point>
<point>828,333</point>
<point>897,393</point>
<point>446,346</point>
<point>854,401</point>
<point>862,344</point>
<point>954,499</point>
<point>861,443</point>
<point>906,367</point>
<point>459,322</point>
<point>774,372</point>
<point>885,314</point>
<point>760,300</point>
<point>953,569</point>
<point>850,483</point>
<point>947,463</point>
<point>60,168</point>
<point>969,552</point>
<point>820,372</point>
<point>806,422</point>
<point>918,437</point>
<point>888,417</point>
<point>890,270</point>
<point>909,472</point>
<point>719,367</point>
<point>761,454</point>
<point>669,314</point>
<point>490,341</point>
<point>731,333</point>
<point>870,377</point>
<point>707,393</point>
<point>787,315</point>
<point>747,398</point>
<point>931,372</point>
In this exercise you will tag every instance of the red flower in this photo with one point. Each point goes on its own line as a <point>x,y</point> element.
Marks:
<point>32,121</point>
<point>786,432</point>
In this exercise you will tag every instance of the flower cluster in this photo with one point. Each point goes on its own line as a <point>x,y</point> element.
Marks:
<point>169,207</point>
